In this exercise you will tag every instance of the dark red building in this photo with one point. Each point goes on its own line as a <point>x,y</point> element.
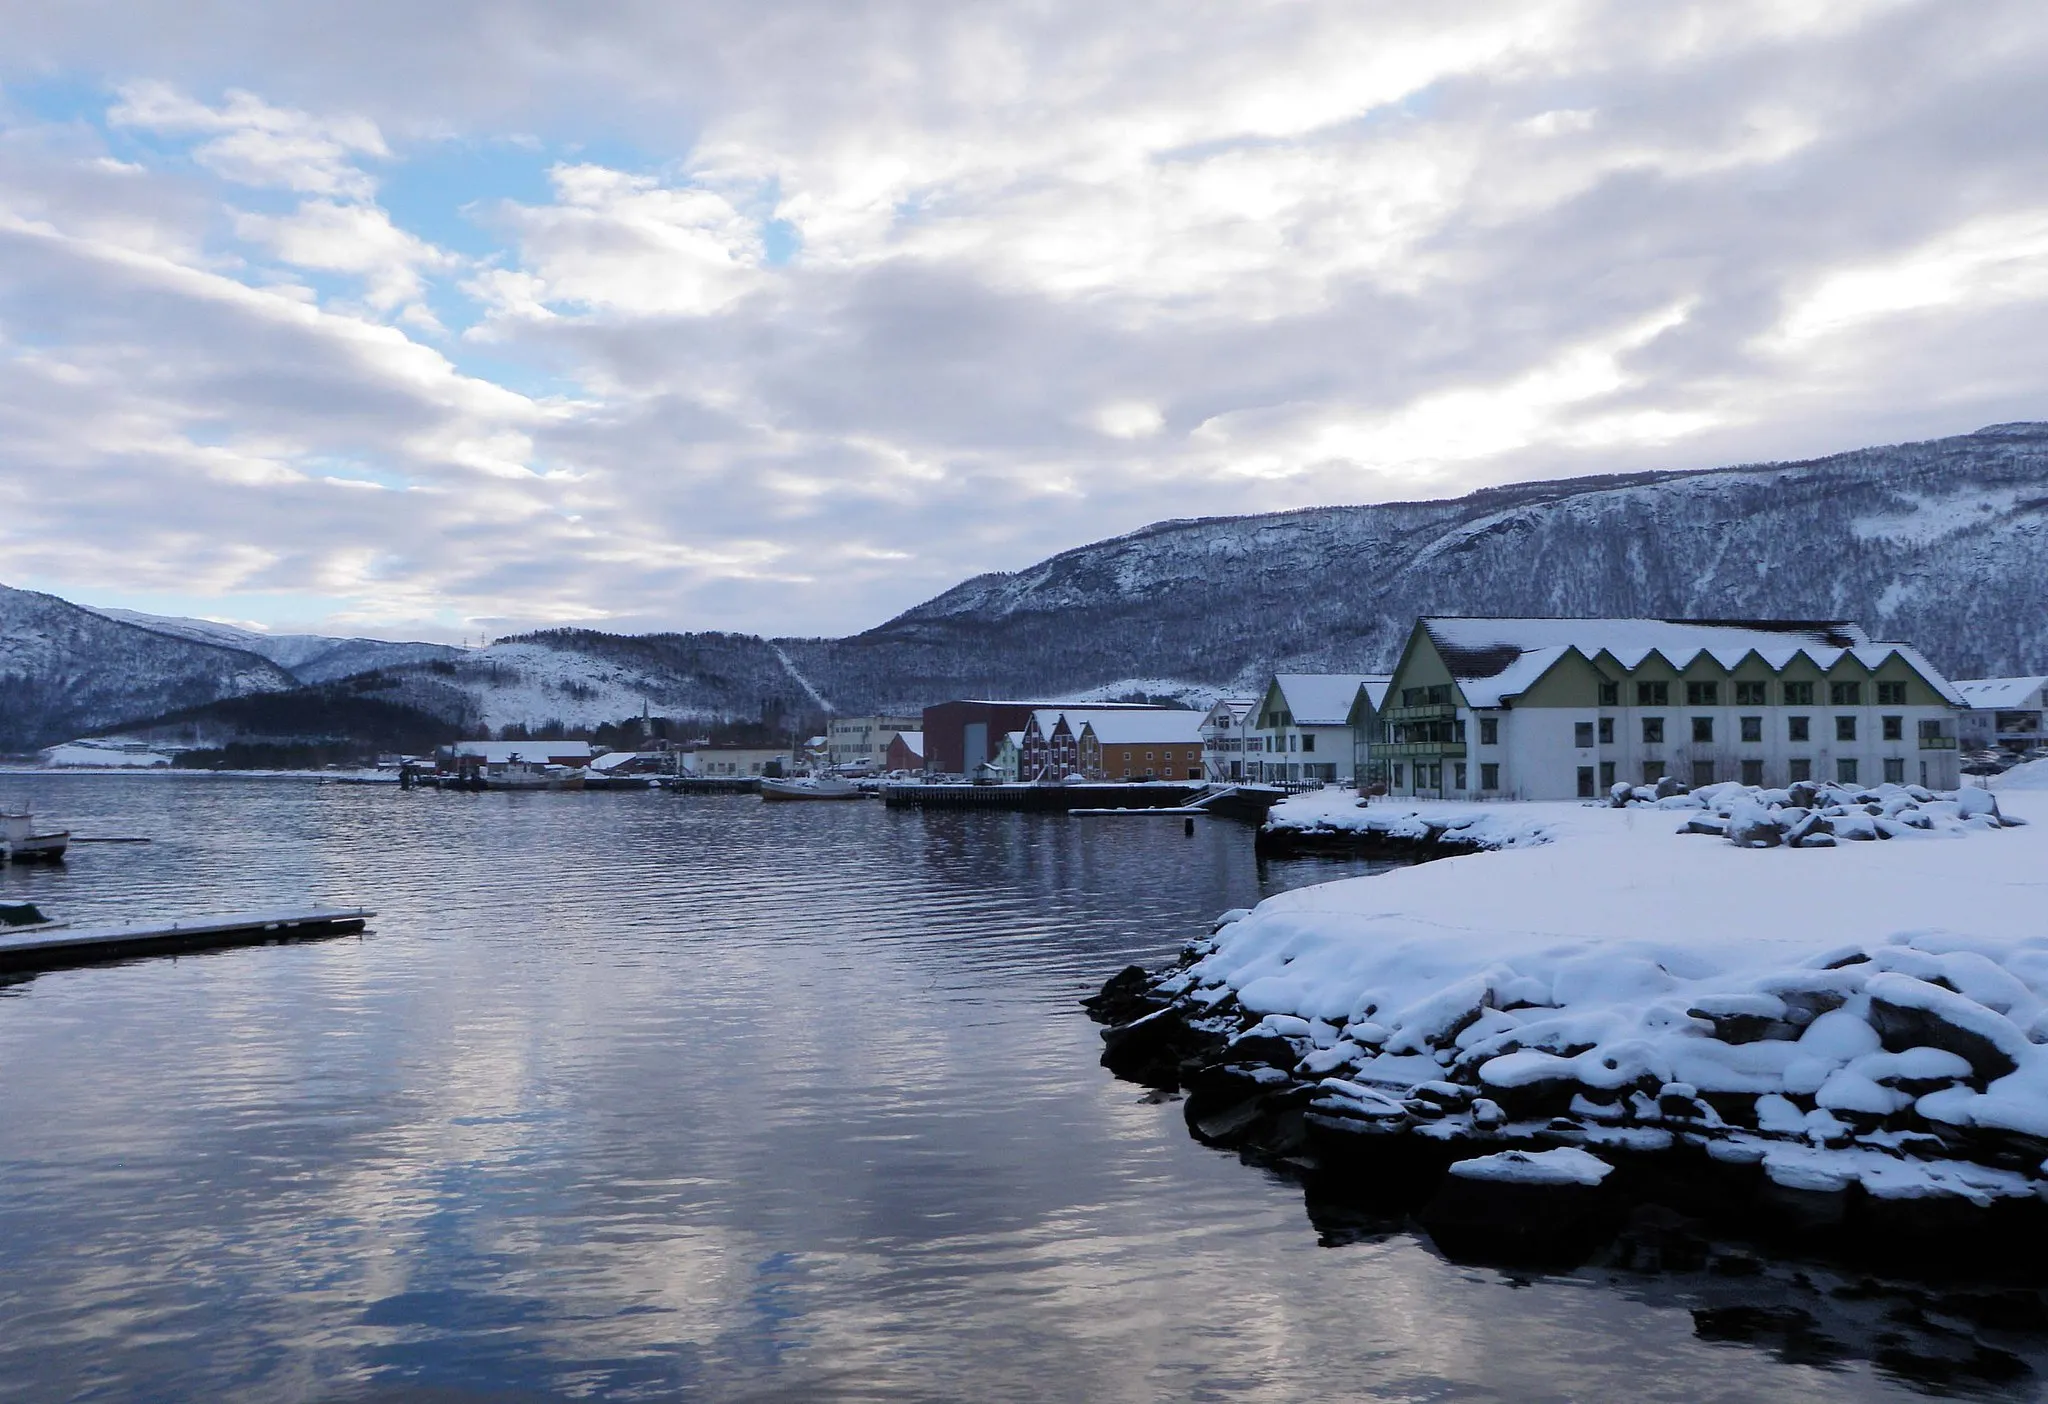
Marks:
<point>961,735</point>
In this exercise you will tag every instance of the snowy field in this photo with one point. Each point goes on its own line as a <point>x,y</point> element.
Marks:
<point>1872,1012</point>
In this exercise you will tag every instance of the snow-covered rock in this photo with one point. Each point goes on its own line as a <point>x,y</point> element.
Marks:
<point>1875,1020</point>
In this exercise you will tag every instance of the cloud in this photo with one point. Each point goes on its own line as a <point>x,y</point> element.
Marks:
<point>250,142</point>
<point>784,319</point>
<point>349,238</point>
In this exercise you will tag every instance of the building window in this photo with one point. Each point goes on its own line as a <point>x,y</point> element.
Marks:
<point>1891,694</point>
<point>1607,731</point>
<point>1895,770</point>
<point>1703,694</point>
<point>1489,731</point>
<point>1702,731</point>
<point>1610,694</point>
<point>1653,731</point>
<point>1606,775</point>
<point>1845,770</point>
<point>1752,772</point>
<point>1127,772</point>
<point>1798,728</point>
<point>1845,728</point>
<point>1799,769</point>
<point>1398,782</point>
<point>1489,775</point>
<point>1460,775</point>
<point>1585,782</point>
<point>1653,694</point>
<point>1930,729</point>
<point>1798,694</point>
<point>1894,728</point>
<point>1702,773</point>
<point>1293,742</point>
<point>1845,694</point>
<point>1752,728</point>
<point>1308,742</point>
<point>1749,694</point>
<point>1653,771</point>
<point>1582,735</point>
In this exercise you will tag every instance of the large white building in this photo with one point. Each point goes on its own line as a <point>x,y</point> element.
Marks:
<point>1558,708</point>
<point>863,742</point>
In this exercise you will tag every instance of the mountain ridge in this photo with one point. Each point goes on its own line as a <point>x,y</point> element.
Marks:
<point>1941,543</point>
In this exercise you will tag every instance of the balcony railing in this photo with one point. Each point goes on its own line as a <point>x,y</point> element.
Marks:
<point>1396,750</point>
<point>1937,743</point>
<point>1432,711</point>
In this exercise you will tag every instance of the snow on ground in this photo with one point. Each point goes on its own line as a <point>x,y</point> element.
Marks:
<point>1334,810</point>
<point>81,757</point>
<point>1874,1011</point>
<point>2031,776</point>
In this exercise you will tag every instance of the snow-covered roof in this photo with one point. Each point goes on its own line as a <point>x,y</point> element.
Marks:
<point>1991,693</point>
<point>1496,659</point>
<point>612,760</point>
<point>535,749</point>
<point>1235,708</point>
<point>913,742</point>
<point>1324,699</point>
<point>1137,728</point>
<point>1078,717</point>
<point>1013,739</point>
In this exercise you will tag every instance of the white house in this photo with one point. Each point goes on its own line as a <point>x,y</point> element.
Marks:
<point>1223,738</point>
<point>1301,727</point>
<point>2004,714</point>
<point>862,743</point>
<point>1557,708</point>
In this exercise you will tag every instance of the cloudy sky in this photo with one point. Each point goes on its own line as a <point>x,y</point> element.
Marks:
<point>432,320</point>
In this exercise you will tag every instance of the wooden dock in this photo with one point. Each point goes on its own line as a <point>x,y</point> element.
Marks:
<point>63,947</point>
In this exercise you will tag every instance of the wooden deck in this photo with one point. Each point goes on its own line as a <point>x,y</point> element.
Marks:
<point>63,947</point>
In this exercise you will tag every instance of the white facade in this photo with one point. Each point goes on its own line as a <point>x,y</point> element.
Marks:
<point>734,762</point>
<point>863,741</point>
<point>1225,739</point>
<point>2004,714</point>
<point>1300,729</point>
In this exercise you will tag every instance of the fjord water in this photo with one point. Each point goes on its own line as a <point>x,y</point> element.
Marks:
<point>645,1097</point>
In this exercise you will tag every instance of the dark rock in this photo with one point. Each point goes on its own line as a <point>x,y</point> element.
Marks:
<point>1125,996</point>
<point>1900,1027</point>
<point>1270,1049</point>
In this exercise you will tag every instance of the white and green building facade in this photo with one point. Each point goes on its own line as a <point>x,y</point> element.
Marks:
<point>1566,708</point>
<point>1301,727</point>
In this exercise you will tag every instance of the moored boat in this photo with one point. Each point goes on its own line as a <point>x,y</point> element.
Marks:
<point>810,787</point>
<point>20,843</point>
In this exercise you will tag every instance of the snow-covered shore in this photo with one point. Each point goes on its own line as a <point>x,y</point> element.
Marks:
<point>1870,1018</point>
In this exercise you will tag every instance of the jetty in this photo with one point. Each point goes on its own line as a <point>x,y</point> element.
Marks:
<point>63,947</point>
<point>1094,797</point>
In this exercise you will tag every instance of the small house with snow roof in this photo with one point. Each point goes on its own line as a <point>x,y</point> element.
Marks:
<point>1224,729</point>
<point>1564,708</point>
<point>2005,713</point>
<point>1301,726</point>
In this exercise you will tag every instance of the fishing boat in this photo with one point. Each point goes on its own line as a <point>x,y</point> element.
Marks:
<point>518,774</point>
<point>20,843</point>
<point>809,787</point>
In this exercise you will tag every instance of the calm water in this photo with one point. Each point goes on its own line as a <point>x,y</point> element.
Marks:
<point>638,1096</point>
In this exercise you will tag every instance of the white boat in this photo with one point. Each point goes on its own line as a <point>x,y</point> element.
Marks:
<point>20,843</point>
<point>809,787</point>
<point>532,775</point>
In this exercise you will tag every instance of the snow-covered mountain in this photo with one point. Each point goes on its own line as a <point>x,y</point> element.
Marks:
<point>65,670</point>
<point>311,658</point>
<point>1943,544</point>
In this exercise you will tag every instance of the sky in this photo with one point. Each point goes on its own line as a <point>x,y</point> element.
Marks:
<point>453,320</point>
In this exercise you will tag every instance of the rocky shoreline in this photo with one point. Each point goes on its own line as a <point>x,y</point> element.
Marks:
<point>1259,1085</point>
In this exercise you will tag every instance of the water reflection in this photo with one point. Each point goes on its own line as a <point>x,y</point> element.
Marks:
<point>643,1097</point>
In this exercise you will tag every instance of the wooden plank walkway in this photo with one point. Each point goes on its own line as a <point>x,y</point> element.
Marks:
<point>64,947</point>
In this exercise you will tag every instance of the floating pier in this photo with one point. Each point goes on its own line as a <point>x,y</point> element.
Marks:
<point>1047,799</point>
<point>64,947</point>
